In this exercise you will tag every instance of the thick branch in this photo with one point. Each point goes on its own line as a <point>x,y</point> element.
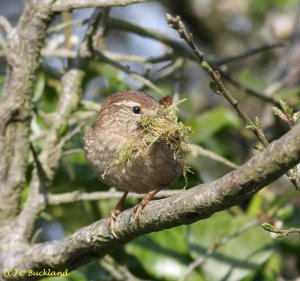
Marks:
<point>197,203</point>
<point>54,142</point>
<point>23,53</point>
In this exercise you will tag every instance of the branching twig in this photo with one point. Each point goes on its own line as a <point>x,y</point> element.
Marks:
<point>219,88</point>
<point>134,75</point>
<point>279,232</point>
<point>178,25</point>
<point>180,50</point>
<point>77,196</point>
<point>148,33</point>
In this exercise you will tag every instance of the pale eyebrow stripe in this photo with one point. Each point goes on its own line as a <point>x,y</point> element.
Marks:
<point>127,103</point>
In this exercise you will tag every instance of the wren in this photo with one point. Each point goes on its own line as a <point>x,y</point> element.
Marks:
<point>117,123</point>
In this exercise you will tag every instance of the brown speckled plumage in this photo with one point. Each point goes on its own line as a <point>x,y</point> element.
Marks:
<point>155,168</point>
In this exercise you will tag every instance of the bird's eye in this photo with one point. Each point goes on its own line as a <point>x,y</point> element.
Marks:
<point>136,110</point>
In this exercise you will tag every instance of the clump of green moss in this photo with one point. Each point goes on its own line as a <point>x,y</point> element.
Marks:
<point>156,125</point>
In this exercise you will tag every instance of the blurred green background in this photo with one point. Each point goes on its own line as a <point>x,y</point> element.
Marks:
<point>232,243</point>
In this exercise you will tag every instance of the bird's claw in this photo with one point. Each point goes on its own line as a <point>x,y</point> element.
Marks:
<point>111,223</point>
<point>136,212</point>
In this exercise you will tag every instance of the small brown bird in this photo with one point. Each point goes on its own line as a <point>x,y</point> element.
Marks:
<point>117,125</point>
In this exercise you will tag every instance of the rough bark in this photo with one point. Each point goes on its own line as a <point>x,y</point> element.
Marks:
<point>200,202</point>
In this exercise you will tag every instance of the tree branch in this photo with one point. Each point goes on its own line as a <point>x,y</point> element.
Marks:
<point>66,5</point>
<point>200,202</point>
<point>23,52</point>
<point>54,143</point>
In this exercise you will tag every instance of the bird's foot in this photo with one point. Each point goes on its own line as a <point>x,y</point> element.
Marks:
<point>137,210</point>
<point>112,219</point>
<point>114,213</point>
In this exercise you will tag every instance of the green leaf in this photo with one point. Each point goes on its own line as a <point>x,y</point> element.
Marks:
<point>237,258</point>
<point>1,84</point>
<point>211,123</point>
<point>39,86</point>
<point>164,254</point>
<point>256,204</point>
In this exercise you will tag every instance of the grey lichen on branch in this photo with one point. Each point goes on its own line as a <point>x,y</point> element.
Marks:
<point>55,141</point>
<point>22,52</point>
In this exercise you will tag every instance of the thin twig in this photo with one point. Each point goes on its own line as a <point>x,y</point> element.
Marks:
<point>71,134</point>
<point>197,150</point>
<point>219,88</point>
<point>178,47</point>
<point>63,25</point>
<point>215,247</point>
<point>247,89</point>
<point>5,25</point>
<point>72,151</point>
<point>178,25</point>
<point>78,196</point>
<point>66,5</point>
<point>137,59</point>
<point>149,33</point>
<point>279,232</point>
<point>63,52</point>
<point>118,271</point>
<point>134,75</point>
<point>249,53</point>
